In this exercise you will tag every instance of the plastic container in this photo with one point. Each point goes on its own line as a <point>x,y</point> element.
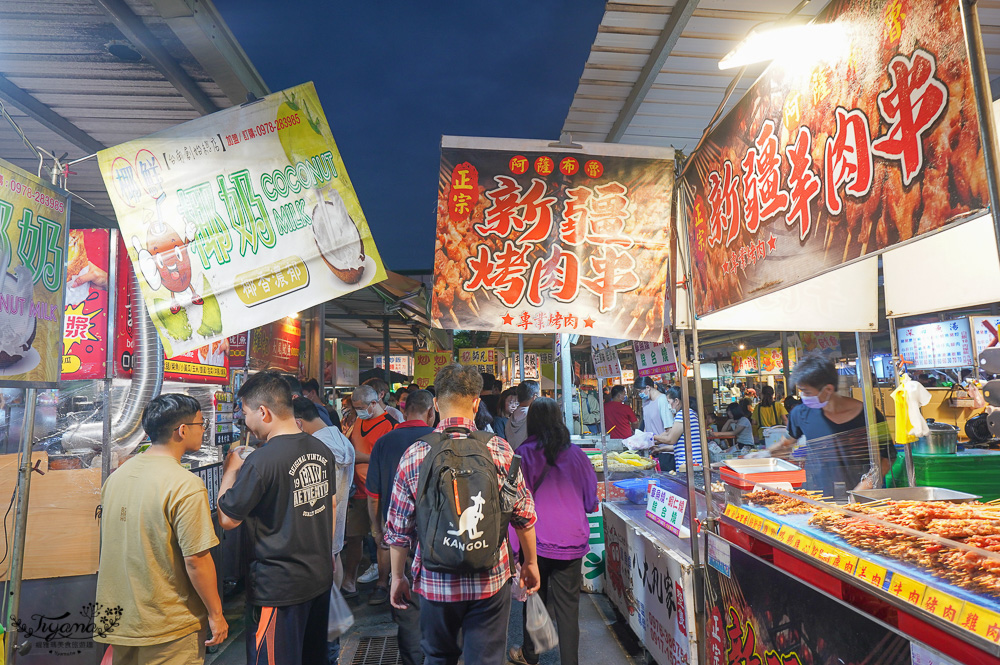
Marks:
<point>635,489</point>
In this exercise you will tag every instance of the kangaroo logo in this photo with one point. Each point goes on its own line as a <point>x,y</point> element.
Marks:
<point>468,522</point>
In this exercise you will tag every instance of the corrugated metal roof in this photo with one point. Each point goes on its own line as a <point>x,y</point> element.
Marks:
<point>685,91</point>
<point>69,94</point>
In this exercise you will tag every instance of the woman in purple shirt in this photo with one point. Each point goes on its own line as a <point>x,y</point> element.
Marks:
<point>565,488</point>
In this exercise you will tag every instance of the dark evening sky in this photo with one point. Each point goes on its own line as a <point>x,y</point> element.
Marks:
<point>394,76</point>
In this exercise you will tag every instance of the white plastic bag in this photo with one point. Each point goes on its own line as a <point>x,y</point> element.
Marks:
<point>540,629</point>
<point>639,441</point>
<point>340,617</point>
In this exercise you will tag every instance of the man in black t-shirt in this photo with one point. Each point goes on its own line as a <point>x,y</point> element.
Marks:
<point>285,492</point>
<point>382,468</point>
<point>837,454</point>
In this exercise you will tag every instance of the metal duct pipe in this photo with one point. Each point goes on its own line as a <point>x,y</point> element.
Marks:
<point>147,379</point>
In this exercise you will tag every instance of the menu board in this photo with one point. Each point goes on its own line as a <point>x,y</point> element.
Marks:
<point>652,359</point>
<point>484,359</point>
<point>238,345</point>
<point>398,364</point>
<point>606,363</point>
<point>937,345</point>
<point>531,365</point>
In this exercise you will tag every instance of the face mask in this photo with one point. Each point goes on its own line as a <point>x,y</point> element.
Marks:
<point>364,415</point>
<point>812,401</point>
<point>644,396</point>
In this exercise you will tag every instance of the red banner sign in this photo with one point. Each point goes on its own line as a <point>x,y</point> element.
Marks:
<point>276,345</point>
<point>844,152</point>
<point>238,345</point>
<point>85,325</point>
<point>540,241</point>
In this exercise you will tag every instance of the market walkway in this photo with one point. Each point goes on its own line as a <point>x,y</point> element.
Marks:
<point>603,639</point>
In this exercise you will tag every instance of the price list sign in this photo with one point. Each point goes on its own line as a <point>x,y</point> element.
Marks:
<point>666,509</point>
<point>937,345</point>
<point>652,359</point>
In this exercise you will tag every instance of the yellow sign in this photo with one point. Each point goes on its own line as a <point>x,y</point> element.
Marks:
<point>871,573</point>
<point>33,260</point>
<point>907,589</point>
<point>259,186</point>
<point>426,365</point>
<point>980,621</point>
<point>942,605</point>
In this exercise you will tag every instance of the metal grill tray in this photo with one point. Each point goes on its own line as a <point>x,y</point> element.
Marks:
<point>762,465</point>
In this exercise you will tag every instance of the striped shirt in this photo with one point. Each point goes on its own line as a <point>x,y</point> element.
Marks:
<point>401,527</point>
<point>680,456</point>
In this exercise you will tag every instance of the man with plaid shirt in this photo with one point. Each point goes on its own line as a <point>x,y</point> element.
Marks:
<point>477,604</point>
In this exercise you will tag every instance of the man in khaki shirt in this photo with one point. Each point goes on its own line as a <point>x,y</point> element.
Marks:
<point>156,573</point>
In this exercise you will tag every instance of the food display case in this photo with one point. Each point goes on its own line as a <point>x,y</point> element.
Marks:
<point>928,569</point>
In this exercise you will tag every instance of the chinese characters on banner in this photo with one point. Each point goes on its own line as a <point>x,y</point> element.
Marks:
<point>33,224</point>
<point>831,159</point>
<point>85,324</point>
<point>532,364</point>
<point>530,239</point>
<point>653,359</point>
<point>276,345</point>
<point>484,359</point>
<point>347,366</point>
<point>937,345</point>
<point>237,215</point>
<point>399,364</point>
<point>238,345</point>
<point>427,364</point>
<point>821,341</point>
<point>771,361</point>
<point>745,363</point>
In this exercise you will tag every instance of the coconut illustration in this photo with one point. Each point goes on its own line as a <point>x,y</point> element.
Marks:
<point>338,238</point>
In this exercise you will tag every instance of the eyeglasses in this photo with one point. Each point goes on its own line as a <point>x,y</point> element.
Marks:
<point>203,422</point>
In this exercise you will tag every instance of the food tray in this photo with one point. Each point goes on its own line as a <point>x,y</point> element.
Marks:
<point>760,465</point>
<point>912,494</point>
<point>635,489</point>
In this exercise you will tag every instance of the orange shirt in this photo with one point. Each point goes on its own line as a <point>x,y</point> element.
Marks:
<point>364,435</point>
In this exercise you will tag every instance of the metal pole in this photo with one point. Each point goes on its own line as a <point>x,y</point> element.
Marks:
<point>316,345</point>
<point>555,367</point>
<point>109,369</point>
<point>696,363</point>
<point>522,374</point>
<point>20,518</point>
<point>506,359</point>
<point>984,106</point>
<point>911,474</point>
<point>567,380</point>
<point>786,371</point>
<point>385,351</point>
<point>864,368</point>
<point>688,453</point>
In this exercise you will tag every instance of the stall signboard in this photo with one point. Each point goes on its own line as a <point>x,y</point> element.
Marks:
<point>937,345</point>
<point>825,342</point>
<point>593,561</point>
<point>653,588</point>
<point>85,323</point>
<point>985,332</point>
<point>484,359</point>
<point>838,152</point>
<point>207,364</point>
<point>537,239</point>
<point>652,359</point>
<point>606,363</point>
<point>772,362</point>
<point>725,369</point>
<point>746,363</point>
<point>33,253</point>
<point>238,346</point>
<point>532,369</point>
<point>427,364</point>
<point>347,364</point>
<point>276,345</point>
<point>398,364</point>
<point>758,614</point>
<point>666,509</point>
<point>237,215</point>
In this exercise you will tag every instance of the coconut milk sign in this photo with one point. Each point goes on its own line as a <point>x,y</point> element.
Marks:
<point>238,217</point>
<point>33,224</point>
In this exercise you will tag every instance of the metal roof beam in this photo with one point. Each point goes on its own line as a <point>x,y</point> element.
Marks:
<point>82,217</point>
<point>679,17</point>
<point>143,39</point>
<point>50,119</point>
